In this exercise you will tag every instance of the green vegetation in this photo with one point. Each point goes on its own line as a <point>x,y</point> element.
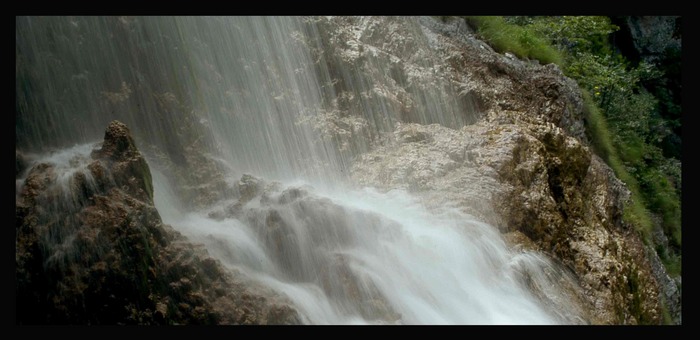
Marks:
<point>626,122</point>
<point>668,320</point>
<point>597,130</point>
<point>522,42</point>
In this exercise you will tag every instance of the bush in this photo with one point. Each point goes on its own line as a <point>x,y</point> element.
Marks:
<point>576,33</point>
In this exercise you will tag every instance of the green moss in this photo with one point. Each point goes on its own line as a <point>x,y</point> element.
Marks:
<point>672,264</point>
<point>637,309</point>
<point>637,215</point>
<point>663,200</point>
<point>148,180</point>
<point>597,129</point>
<point>666,315</point>
<point>521,41</point>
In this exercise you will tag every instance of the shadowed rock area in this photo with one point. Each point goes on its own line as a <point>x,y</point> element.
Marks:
<point>91,249</point>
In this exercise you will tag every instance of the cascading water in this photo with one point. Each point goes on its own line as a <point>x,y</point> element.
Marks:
<point>293,101</point>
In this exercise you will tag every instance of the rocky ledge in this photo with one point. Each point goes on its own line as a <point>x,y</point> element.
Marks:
<point>91,249</point>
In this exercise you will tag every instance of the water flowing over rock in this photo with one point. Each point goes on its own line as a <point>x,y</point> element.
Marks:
<point>528,158</point>
<point>368,257</point>
<point>91,249</point>
<point>322,170</point>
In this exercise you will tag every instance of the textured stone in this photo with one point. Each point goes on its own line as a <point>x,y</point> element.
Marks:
<point>95,251</point>
<point>653,36</point>
<point>524,166</point>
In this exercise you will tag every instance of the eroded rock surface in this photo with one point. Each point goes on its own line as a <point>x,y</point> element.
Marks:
<point>525,166</point>
<point>91,249</point>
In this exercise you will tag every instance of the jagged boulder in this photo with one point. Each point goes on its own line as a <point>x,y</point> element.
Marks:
<point>91,249</point>
<point>120,158</point>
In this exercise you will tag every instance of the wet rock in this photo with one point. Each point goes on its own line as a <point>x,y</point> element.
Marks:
<point>248,187</point>
<point>95,251</point>
<point>120,157</point>
<point>21,163</point>
<point>572,209</point>
<point>195,174</point>
<point>525,166</point>
<point>514,154</point>
<point>292,194</point>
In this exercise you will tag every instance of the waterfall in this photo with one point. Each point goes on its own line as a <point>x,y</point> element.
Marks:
<point>282,106</point>
<point>282,97</point>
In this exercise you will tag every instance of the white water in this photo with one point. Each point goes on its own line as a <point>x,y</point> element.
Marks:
<point>266,100</point>
<point>350,257</point>
<point>343,252</point>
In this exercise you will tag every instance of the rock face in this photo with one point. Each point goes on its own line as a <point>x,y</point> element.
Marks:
<point>91,249</point>
<point>525,166</point>
<point>506,143</point>
<point>654,36</point>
